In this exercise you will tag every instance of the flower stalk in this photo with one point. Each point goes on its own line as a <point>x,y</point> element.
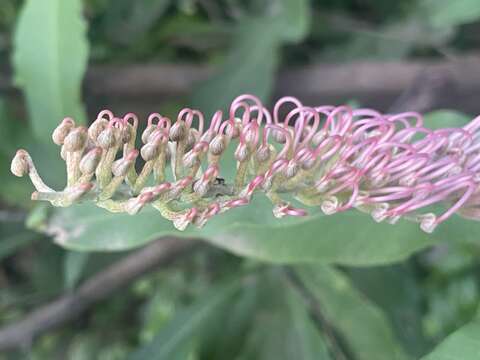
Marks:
<point>335,158</point>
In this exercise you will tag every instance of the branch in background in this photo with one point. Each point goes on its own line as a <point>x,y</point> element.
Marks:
<point>373,83</point>
<point>99,287</point>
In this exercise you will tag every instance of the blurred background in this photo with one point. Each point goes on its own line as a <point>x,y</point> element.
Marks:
<point>75,58</point>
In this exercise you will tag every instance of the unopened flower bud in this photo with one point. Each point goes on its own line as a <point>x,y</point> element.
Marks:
<point>218,144</point>
<point>78,191</point>
<point>178,131</point>
<point>207,136</point>
<point>19,166</point>
<point>150,151</point>
<point>201,187</point>
<point>263,153</point>
<point>329,206</point>
<point>106,139</point>
<point>90,161</point>
<point>291,169</point>
<point>428,222</point>
<point>181,222</point>
<point>126,133</point>
<point>147,132</point>
<point>62,130</point>
<point>76,139</point>
<point>193,137</point>
<point>319,137</point>
<point>122,166</point>
<point>279,137</point>
<point>190,158</point>
<point>134,205</point>
<point>241,153</point>
<point>96,128</point>
<point>379,213</point>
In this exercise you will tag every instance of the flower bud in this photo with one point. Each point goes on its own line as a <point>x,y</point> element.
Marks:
<point>63,153</point>
<point>428,222</point>
<point>192,138</point>
<point>150,150</point>
<point>190,158</point>
<point>329,206</point>
<point>96,128</point>
<point>319,137</point>
<point>279,137</point>
<point>106,139</point>
<point>76,139</point>
<point>201,187</point>
<point>379,213</point>
<point>134,205</point>
<point>207,136</point>
<point>181,222</point>
<point>218,144</point>
<point>90,161</point>
<point>78,191</point>
<point>147,132</point>
<point>62,130</point>
<point>122,166</point>
<point>178,131</point>
<point>241,153</point>
<point>19,166</point>
<point>291,169</point>
<point>126,133</point>
<point>263,153</point>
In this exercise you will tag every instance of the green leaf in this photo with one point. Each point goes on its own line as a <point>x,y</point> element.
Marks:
<point>281,327</point>
<point>127,21</point>
<point>74,265</point>
<point>249,231</point>
<point>253,58</point>
<point>362,324</point>
<point>50,58</point>
<point>444,13</point>
<point>249,67</point>
<point>187,325</point>
<point>445,119</point>
<point>13,237</point>
<point>295,19</point>
<point>462,344</point>
<point>397,291</point>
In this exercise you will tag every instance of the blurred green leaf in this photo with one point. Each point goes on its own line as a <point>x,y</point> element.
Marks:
<point>50,58</point>
<point>363,325</point>
<point>127,21</point>
<point>445,13</point>
<point>396,290</point>
<point>253,58</point>
<point>295,16</point>
<point>185,326</point>
<point>233,324</point>
<point>13,236</point>
<point>249,231</point>
<point>281,327</point>
<point>74,265</point>
<point>445,119</point>
<point>249,68</point>
<point>462,344</point>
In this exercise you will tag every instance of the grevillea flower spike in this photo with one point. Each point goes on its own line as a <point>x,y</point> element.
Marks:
<point>335,158</point>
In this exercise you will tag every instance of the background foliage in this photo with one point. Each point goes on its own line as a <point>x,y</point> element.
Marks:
<point>336,287</point>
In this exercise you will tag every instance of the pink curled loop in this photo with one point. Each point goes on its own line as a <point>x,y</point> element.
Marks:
<point>103,113</point>
<point>133,117</point>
